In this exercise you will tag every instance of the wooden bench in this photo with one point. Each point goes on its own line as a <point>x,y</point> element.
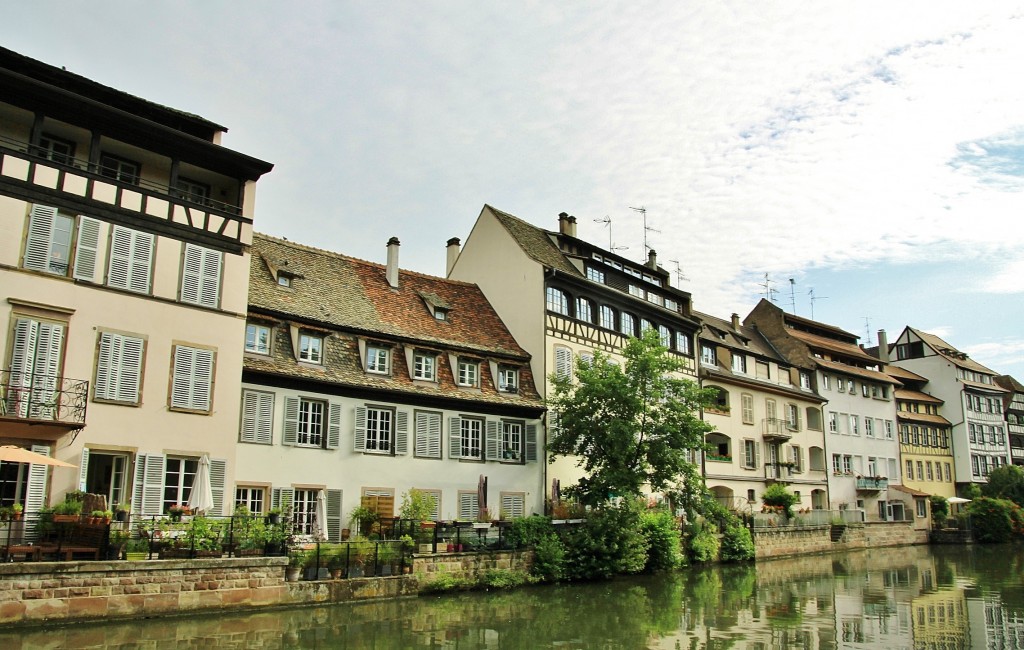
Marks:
<point>77,539</point>
<point>14,550</point>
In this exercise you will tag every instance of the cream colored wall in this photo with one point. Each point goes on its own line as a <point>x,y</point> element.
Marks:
<point>278,465</point>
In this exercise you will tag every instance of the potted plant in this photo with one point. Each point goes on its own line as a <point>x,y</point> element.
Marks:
<point>136,549</point>
<point>67,511</point>
<point>365,517</point>
<point>274,516</point>
<point>96,516</point>
<point>16,510</point>
<point>336,561</point>
<point>177,511</point>
<point>121,511</point>
<point>483,519</point>
<point>296,560</point>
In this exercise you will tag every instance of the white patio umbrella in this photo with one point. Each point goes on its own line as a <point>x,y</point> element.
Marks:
<point>201,497</point>
<point>12,454</point>
<point>321,515</point>
<point>956,500</point>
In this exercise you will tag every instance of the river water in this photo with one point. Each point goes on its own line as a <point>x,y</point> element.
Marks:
<point>942,597</point>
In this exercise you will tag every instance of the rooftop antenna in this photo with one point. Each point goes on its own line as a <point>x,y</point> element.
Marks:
<point>813,298</point>
<point>769,290</point>
<point>792,295</point>
<point>643,213</point>
<point>680,278</point>
<point>867,329</point>
<point>611,246</point>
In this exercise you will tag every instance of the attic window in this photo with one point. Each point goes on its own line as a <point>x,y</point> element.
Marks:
<point>440,313</point>
<point>284,280</point>
<point>436,305</point>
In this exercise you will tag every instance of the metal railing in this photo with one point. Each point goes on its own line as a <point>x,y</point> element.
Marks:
<point>42,397</point>
<point>867,483</point>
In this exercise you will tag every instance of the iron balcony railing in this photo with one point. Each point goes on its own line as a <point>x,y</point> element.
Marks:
<point>52,398</point>
<point>777,429</point>
<point>872,483</point>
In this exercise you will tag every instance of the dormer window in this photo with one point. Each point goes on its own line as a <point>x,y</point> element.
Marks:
<point>311,348</point>
<point>284,280</point>
<point>508,380</point>
<point>424,366</point>
<point>468,373</point>
<point>378,359</point>
<point>440,314</point>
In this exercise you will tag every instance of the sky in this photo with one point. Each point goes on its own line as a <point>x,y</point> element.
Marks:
<point>868,155</point>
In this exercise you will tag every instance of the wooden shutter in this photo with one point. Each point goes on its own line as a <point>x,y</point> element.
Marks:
<point>83,469</point>
<point>119,267</point>
<point>401,433</point>
<point>455,438</point>
<point>290,432</point>
<point>257,417</point>
<point>428,434</point>
<point>193,378</point>
<point>513,505</point>
<point>40,234</point>
<point>282,497</point>
<point>130,381</point>
<point>22,361</point>
<point>468,506</point>
<point>45,370</point>
<point>382,501</point>
<point>531,443</point>
<point>563,362</point>
<point>35,495</point>
<point>119,367</point>
<point>141,262</point>
<point>359,436</point>
<point>200,276</point>
<point>147,496</point>
<point>218,477</point>
<point>87,249</point>
<point>334,515</point>
<point>492,446</point>
<point>333,425</point>
<point>131,260</point>
<point>202,381</point>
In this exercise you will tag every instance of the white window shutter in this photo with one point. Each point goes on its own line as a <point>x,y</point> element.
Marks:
<point>130,383</point>
<point>492,447</point>
<point>513,505</point>
<point>147,496</point>
<point>468,506</point>
<point>757,455</point>
<point>202,381</point>
<point>428,434</point>
<point>209,295</point>
<point>40,234</point>
<point>46,370</point>
<point>181,386</point>
<point>35,495</point>
<point>218,477</point>
<point>257,417</point>
<point>131,260</point>
<point>401,433</point>
<point>563,362</point>
<point>282,497</point>
<point>191,273</point>
<point>265,419</point>
<point>455,438</point>
<point>22,361</point>
<point>334,425</point>
<point>360,431</point>
<point>531,443</point>
<point>87,249</point>
<point>118,268</point>
<point>290,433</point>
<point>107,362</point>
<point>83,469</point>
<point>334,515</point>
<point>141,262</point>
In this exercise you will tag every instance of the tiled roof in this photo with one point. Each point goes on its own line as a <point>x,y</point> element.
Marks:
<point>857,371</point>
<point>726,375</point>
<point>832,345</point>
<point>903,373</point>
<point>1009,383</point>
<point>917,396</point>
<point>948,351</point>
<point>908,490</point>
<point>926,418</point>
<point>807,322</point>
<point>535,242</point>
<point>735,338</point>
<point>347,298</point>
<point>994,388</point>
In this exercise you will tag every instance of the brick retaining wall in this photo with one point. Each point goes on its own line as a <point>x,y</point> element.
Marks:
<point>783,542</point>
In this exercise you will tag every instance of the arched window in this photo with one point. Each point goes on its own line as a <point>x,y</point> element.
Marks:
<point>720,448</point>
<point>584,310</point>
<point>627,324</point>
<point>665,334</point>
<point>814,418</point>
<point>721,399</point>
<point>645,325</point>
<point>607,317</point>
<point>558,302</point>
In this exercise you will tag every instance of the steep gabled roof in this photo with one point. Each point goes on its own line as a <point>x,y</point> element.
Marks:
<point>857,371</point>
<point>743,338</point>
<point>536,242</point>
<point>843,348</point>
<point>946,350</point>
<point>917,396</point>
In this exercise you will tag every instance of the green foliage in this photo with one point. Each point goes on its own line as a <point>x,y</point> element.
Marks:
<point>68,507</point>
<point>972,491</point>
<point>505,579</point>
<point>737,544</point>
<point>940,507</point>
<point>704,545</point>
<point>417,505</point>
<point>549,558</point>
<point>446,582</point>
<point>1006,482</point>
<point>628,426</point>
<point>365,517</point>
<point>610,542</point>
<point>664,541</point>
<point>777,495</point>
<point>995,520</point>
<point>528,531</point>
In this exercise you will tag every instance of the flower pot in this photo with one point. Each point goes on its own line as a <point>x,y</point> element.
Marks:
<point>64,519</point>
<point>291,574</point>
<point>136,556</point>
<point>336,574</point>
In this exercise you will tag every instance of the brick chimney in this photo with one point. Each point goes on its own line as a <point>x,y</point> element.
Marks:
<point>392,270</point>
<point>652,259</point>
<point>453,249</point>
<point>883,346</point>
<point>566,224</point>
<point>736,322</point>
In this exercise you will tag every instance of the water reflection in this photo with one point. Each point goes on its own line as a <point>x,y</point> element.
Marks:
<point>916,598</point>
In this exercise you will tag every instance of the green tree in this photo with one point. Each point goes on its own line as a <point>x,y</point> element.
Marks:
<point>629,426</point>
<point>1006,482</point>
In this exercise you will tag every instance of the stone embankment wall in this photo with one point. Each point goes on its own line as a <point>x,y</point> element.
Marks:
<point>37,592</point>
<point>785,541</point>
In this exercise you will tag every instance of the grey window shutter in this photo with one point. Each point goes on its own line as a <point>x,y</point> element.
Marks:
<point>333,425</point>
<point>218,476</point>
<point>360,432</point>
<point>290,433</point>
<point>257,417</point>
<point>282,497</point>
<point>83,470</point>
<point>40,233</point>
<point>87,249</point>
<point>401,433</point>
<point>334,515</point>
<point>492,448</point>
<point>531,443</point>
<point>455,438</point>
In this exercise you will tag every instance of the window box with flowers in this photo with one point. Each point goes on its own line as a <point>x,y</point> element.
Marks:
<point>177,511</point>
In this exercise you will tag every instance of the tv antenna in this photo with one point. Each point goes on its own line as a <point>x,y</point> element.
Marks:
<point>813,298</point>
<point>643,213</point>
<point>867,329</point>
<point>680,278</point>
<point>608,222</point>
<point>792,295</point>
<point>769,290</point>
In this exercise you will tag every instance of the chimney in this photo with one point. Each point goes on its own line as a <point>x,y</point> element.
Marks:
<point>392,270</point>
<point>736,322</point>
<point>453,254</point>
<point>652,259</point>
<point>566,224</point>
<point>883,346</point>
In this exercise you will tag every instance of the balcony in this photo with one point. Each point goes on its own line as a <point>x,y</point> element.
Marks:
<point>776,430</point>
<point>78,185</point>
<point>867,484</point>
<point>42,407</point>
<point>781,471</point>
<point>1017,453</point>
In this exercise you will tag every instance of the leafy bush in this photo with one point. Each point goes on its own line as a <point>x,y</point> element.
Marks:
<point>549,558</point>
<point>704,545</point>
<point>528,531</point>
<point>995,520</point>
<point>737,544</point>
<point>447,582</point>
<point>663,539</point>
<point>609,543</point>
<point>777,495</point>
<point>940,507</point>
<point>503,579</point>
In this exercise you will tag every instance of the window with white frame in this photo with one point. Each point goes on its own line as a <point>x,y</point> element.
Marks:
<point>888,429</point>
<point>739,363</point>
<point>796,457</point>
<point>595,274</point>
<point>665,336</point>
<point>428,434</point>
<point>849,387</point>
<point>252,498</point>
<point>304,512</point>
<point>707,355</point>
<point>257,417</point>
<point>424,366</point>
<point>511,441</point>
<point>56,149</point>
<point>48,243</point>
<point>826,381</point>
<point>379,429</point>
<point>468,373</point>
<point>309,430</point>
<point>119,368</point>
<point>121,169</point>
<point>179,474</point>
<point>837,463</point>
<point>131,260</point>
<point>645,326</point>
<point>792,417</point>
<point>869,427</point>
<point>311,348</point>
<point>557,301</point>
<point>848,464</point>
<point>805,380</point>
<point>192,379</point>
<point>378,359</point>
<point>627,324</point>
<point>584,310</point>
<point>471,438</point>
<point>508,379</point>
<point>683,343</point>
<point>854,425</point>
<point>833,422</point>
<point>200,276</point>
<point>563,362</point>
<point>257,338</point>
<point>750,454</point>
<point>607,317</point>
<point>747,403</point>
